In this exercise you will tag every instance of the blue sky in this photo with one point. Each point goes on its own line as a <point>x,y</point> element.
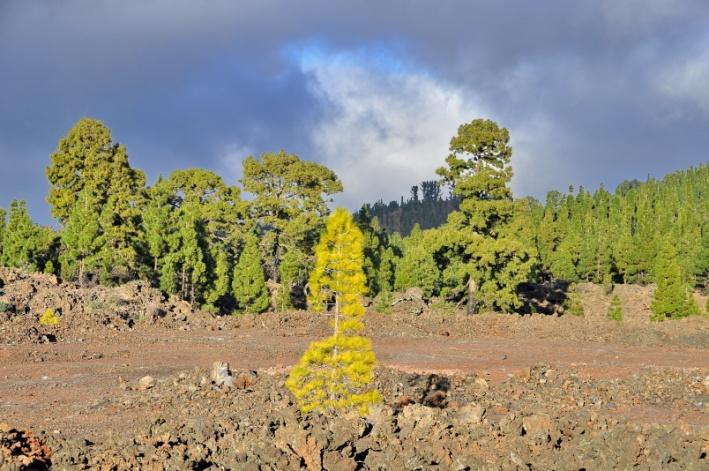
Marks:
<point>592,91</point>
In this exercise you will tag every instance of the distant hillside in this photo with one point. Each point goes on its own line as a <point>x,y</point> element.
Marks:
<point>426,206</point>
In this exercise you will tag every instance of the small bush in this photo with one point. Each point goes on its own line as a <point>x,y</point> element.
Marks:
<point>49,317</point>
<point>384,304</point>
<point>5,307</point>
<point>96,305</point>
<point>615,311</point>
<point>573,304</point>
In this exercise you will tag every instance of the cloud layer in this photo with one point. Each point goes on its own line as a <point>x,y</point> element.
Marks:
<point>592,92</point>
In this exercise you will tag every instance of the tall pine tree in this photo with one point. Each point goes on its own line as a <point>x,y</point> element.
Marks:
<point>672,299</point>
<point>79,237</point>
<point>249,286</point>
<point>479,172</point>
<point>88,157</point>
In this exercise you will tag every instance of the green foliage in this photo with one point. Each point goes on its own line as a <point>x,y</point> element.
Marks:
<point>289,202</point>
<point>79,236</point>
<point>615,310</point>
<point>605,237</point>
<point>194,222</point>
<point>335,373</point>
<point>417,268</point>
<point>90,171</point>
<point>249,286</point>
<point>673,298</point>
<point>5,307</point>
<point>701,263</point>
<point>493,257</point>
<point>573,304</point>
<point>24,244</point>
<point>49,318</point>
<point>157,225</point>
<point>384,303</point>
<point>3,224</point>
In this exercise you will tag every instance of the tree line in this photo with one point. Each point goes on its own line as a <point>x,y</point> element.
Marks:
<point>194,236</point>
<point>655,231</point>
<point>426,206</point>
<point>190,233</point>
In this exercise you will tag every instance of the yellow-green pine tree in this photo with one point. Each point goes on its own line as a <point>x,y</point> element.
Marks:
<point>336,373</point>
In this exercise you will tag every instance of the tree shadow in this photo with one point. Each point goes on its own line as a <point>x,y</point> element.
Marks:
<point>543,298</point>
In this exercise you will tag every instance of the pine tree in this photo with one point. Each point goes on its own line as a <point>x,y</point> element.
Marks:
<point>479,172</point>
<point>572,303</point>
<point>79,246</point>
<point>88,157</point>
<point>615,310</point>
<point>193,247</point>
<point>86,147</point>
<point>249,286</point>
<point>21,242</point>
<point>3,224</point>
<point>417,268</point>
<point>289,204</point>
<point>291,271</point>
<point>701,263</point>
<point>156,223</point>
<point>672,299</point>
<point>385,279</point>
<point>335,373</point>
<point>219,288</point>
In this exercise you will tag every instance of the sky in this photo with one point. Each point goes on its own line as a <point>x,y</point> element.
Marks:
<point>592,92</point>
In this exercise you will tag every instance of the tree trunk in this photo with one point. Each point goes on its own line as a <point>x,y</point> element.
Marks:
<point>472,302</point>
<point>81,273</point>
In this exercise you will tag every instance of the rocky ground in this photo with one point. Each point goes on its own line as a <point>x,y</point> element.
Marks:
<point>125,382</point>
<point>541,418</point>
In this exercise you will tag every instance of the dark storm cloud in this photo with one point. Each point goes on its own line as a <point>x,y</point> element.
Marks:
<point>591,91</point>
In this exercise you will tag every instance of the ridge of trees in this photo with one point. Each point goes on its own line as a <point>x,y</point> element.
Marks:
<point>427,206</point>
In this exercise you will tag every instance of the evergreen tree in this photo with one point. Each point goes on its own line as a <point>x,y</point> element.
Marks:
<point>86,148</point>
<point>156,222</point>
<point>289,203</point>
<point>79,237</point>
<point>21,240</point>
<point>479,172</point>
<point>3,224</point>
<point>335,373</point>
<point>701,263</point>
<point>220,287</point>
<point>249,286</point>
<point>88,157</point>
<point>203,220</point>
<point>417,268</point>
<point>573,304</point>
<point>672,298</point>
<point>615,310</point>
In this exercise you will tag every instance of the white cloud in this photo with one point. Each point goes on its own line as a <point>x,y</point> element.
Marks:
<point>230,161</point>
<point>687,79</point>
<point>387,128</point>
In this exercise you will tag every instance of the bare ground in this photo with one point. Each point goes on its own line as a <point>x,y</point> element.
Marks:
<point>543,391</point>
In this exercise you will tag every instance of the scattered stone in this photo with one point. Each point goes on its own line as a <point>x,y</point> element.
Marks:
<point>471,414</point>
<point>145,383</point>
<point>221,375</point>
<point>245,381</point>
